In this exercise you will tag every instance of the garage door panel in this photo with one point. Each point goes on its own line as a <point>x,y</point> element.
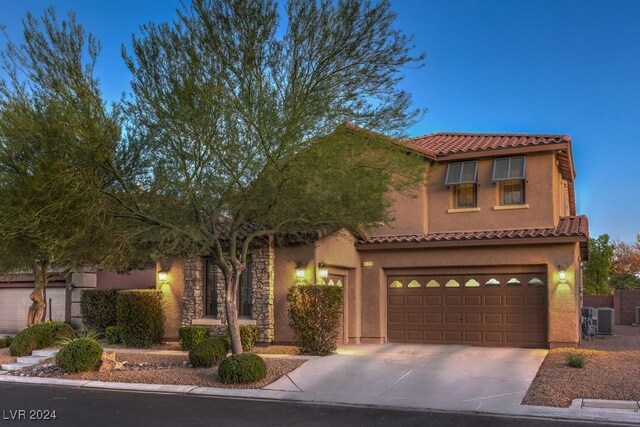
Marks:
<point>484,314</point>
<point>396,300</point>
<point>473,300</point>
<point>473,318</point>
<point>414,318</point>
<point>414,300</point>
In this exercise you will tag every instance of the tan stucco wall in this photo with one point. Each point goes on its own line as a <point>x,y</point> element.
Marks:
<point>134,279</point>
<point>172,291</point>
<point>543,208</point>
<point>408,212</point>
<point>562,297</point>
<point>338,253</point>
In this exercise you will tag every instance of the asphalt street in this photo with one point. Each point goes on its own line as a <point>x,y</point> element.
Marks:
<point>35,404</point>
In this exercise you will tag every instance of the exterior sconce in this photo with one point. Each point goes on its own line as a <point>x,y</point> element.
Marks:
<point>299,271</point>
<point>163,275</point>
<point>323,271</point>
<point>562,273</point>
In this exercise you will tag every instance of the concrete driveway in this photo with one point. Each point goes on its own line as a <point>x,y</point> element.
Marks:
<point>429,376</point>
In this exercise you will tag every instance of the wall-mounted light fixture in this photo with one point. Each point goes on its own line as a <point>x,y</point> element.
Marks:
<point>323,270</point>
<point>163,275</point>
<point>299,271</point>
<point>562,273</point>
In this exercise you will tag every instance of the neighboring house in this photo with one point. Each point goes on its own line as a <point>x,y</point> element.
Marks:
<point>63,292</point>
<point>487,253</point>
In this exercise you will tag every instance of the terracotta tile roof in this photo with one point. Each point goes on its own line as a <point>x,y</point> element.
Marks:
<point>568,226</point>
<point>446,143</point>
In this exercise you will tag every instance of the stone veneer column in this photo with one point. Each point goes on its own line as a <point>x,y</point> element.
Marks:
<point>263,285</point>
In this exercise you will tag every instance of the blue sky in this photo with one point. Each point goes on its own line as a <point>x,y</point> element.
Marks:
<point>545,66</point>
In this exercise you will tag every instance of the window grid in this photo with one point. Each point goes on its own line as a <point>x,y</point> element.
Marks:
<point>466,196</point>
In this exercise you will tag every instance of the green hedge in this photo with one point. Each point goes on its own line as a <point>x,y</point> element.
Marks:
<point>314,317</point>
<point>112,333</point>
<point>248,336</point>
<point>140,317</point>
<point>98,308</point>
<point>5,342</point>
<point>80,355</point>
<point>208,352</point>
<point>39,336</point>
<point>192,335</point>
<point>242,368</point>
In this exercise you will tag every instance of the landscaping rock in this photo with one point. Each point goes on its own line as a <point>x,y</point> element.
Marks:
<point>109,363</point>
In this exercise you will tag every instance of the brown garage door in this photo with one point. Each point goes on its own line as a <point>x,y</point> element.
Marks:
<point>482,309</point>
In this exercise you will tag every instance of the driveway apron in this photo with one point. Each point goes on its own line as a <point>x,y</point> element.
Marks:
<point>436,376</point>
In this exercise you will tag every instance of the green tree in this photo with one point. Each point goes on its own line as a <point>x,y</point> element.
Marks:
<point>598,268</point>
<point>52,125</point>
<point>626,257</point>
<point>237,127</point>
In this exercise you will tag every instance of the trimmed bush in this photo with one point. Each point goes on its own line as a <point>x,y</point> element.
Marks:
<point>140,317</point>
<point>5,342</point>
<point>39,336</point>
<point>190,336</point>
<point>242,368</point>
<point>248,336</point>
<point>82,354</point>
<point>113,334</point>
<point>575,360</point>
<point>208,352</point>
<point>314,317</point>
<point>98,308</point>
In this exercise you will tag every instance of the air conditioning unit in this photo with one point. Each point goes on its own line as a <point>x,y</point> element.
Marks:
<point>637,311</point>
<point>606,320</point>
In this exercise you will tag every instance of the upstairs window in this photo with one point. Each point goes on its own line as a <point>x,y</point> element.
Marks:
<point>462,176</point>
<point>510,173</point>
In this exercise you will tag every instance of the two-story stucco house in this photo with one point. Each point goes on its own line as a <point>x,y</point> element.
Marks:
<point>487,253</point>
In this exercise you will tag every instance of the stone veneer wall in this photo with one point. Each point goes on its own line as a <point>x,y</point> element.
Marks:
<point>262,311</point>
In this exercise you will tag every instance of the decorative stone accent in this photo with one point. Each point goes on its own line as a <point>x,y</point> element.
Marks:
<point>262,304</point>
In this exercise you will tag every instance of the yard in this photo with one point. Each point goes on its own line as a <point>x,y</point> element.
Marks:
<point>163,368</point>
<point>611,371</point>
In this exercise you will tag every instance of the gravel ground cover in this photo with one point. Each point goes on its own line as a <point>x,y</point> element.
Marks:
<point>611,371</point>
<point>163,369</point>
<point>6,357</point>
<point>275,349</point>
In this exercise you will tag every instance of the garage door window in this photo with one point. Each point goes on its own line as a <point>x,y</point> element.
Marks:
<point>452,284</point>
<point>472,283</point>
<point>536,282</point>
<point>514,282</point>
<point>414,284</point>
<point>395,284</point>
<point>433,284</point>
<point>492,282</point>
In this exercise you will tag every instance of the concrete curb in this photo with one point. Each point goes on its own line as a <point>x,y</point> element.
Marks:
<point>577,411</point>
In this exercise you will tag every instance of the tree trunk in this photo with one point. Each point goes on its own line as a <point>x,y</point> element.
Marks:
<point>38,308</point>
<point>231,305</point>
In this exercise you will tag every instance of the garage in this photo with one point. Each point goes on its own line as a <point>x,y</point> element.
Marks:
<point>507,307</point>
<point>15,302</point>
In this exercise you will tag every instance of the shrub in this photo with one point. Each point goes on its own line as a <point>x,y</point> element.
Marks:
<point>5,342</point>
<point>575,360</point>
<point>113,334</point>
<point>81,354</point>
<point>39,336</point>
<point>140,317</point>
<point>98,308</point>
<point>248,336</point>
<point>242,368</point>
<point>190,336</point>
<point>314,317</point>
<point>208,352</point>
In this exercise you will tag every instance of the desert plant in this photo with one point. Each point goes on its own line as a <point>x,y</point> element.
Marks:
<point>575,360</point>
<point>112,333</point>
<point>140,317</point>
<point>208,352</point>
<point>314,317</point>
<point>98,308</point>
<point>79,355</point>
<point>192,335</point>
<point>5,342</point>
<point>39,336</point>
<point>248,336</point>
<point>85,333</point>
<point>242,368</point>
